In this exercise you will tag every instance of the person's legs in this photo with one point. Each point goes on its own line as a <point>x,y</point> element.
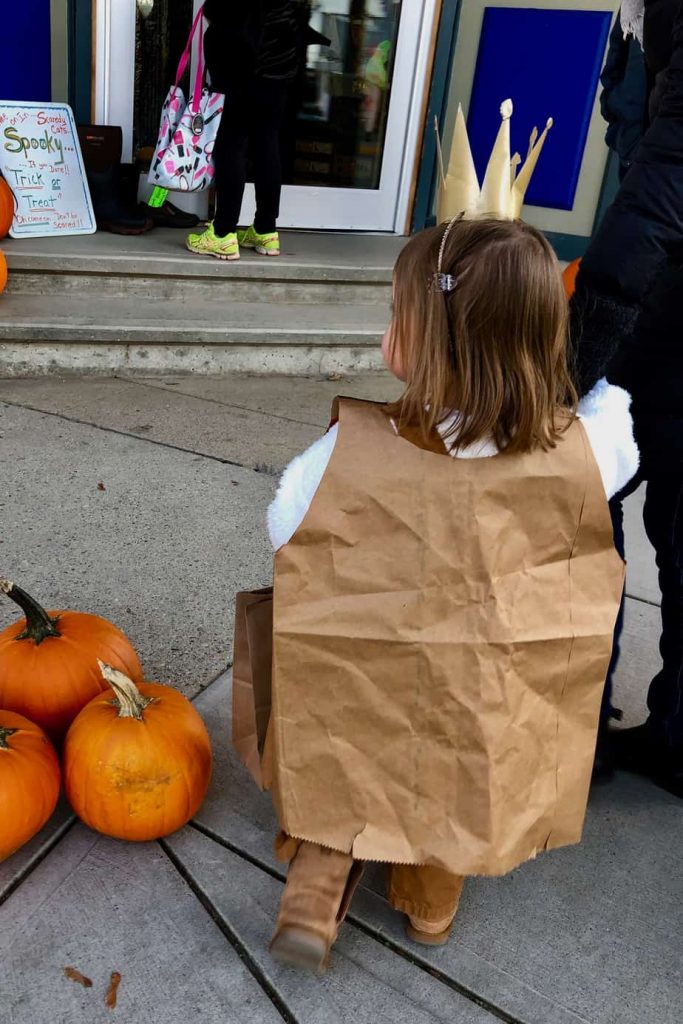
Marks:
<point>656,748</point>
<point>607,710</point>
<point>663,517</point>
<point>219,238</point>
<point>230,160</point>
<point>603,767</point>
<point>270,100</point>
<point>429,896</point>
<point>316,898</point>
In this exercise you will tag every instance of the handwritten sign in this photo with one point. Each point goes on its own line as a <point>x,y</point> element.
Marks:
<point>41,160</point>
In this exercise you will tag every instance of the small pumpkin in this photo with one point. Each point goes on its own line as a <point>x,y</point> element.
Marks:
<point>3,272</point>
<point>569,277</point>
<point>48,663</point>
<point>29,781</point>
<point>137,761</point>
<point>6,208</point>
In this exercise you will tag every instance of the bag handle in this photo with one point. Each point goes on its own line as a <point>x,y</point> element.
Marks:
<point>196,97</point>
<point>187,52</point>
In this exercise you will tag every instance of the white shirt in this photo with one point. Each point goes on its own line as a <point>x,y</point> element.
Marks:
<point>605,414</point>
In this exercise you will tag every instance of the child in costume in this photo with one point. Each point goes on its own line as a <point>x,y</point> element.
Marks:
<point>446,587</point>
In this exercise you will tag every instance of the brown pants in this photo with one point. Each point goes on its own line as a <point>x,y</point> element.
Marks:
<point>424,892</point>
<point>428,893</point>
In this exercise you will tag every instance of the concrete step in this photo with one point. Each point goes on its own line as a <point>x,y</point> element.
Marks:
<point>106,304</point>
<point>80,333</point>
<point>311,269</point>
<point>234,283</point>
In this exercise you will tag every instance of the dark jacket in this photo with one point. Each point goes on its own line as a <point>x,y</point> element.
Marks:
<point>623,101</point>
<point>627,312</point>
<point>232,40</point>
<point>256,38</point>
<point>660,16</point>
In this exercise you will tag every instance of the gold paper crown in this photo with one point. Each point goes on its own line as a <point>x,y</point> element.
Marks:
<point>502,193</point>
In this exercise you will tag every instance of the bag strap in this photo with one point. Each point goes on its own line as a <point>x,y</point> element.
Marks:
<point>196,97</point>
<point>187,52</point>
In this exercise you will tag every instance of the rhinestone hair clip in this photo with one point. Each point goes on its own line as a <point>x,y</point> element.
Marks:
<point>445,282</point>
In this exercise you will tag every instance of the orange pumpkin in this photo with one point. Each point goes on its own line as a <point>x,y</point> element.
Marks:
<point>6,208</point>
<point>3,272</point>
<point>29,781</point>
<point>137,762</point>
<point>48,663</point>
<point>569,277</point>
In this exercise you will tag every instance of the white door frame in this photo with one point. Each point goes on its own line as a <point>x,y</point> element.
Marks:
<point>114,52</point>
<point>382,209</point>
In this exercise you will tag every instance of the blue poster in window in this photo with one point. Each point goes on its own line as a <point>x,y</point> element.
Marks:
<point>25,61</point>
<point>548,62</point>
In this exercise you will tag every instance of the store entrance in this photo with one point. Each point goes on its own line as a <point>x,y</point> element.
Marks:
<point>351,133</point>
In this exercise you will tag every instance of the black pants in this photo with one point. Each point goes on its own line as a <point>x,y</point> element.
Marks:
<point>251,121</point>
<point>663,518</point>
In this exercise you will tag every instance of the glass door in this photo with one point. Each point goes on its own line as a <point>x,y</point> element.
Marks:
<point>351,133</point>
<point>160,37</point>
<point>348,153</point>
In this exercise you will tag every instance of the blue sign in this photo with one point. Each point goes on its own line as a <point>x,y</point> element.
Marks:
<point>26,64</point>
<point>548,62</point>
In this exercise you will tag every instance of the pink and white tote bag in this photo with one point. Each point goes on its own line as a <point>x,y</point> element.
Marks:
<point>183,158</point>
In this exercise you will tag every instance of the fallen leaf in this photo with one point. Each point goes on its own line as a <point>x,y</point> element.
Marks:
<point>73,975</point>
<point>101,487</point>
<point>335,376</point>
<point>113,990</point>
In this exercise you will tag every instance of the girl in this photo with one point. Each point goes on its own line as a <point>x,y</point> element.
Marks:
<point>446,588</point>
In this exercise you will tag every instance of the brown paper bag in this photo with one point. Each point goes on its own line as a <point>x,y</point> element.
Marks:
<point>441,636</point>
<point>251,678</point>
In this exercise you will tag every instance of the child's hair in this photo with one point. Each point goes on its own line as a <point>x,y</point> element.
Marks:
<point>494,347</point>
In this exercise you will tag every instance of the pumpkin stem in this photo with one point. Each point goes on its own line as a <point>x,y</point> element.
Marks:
<point>39,625</point>
<point>128,698</point>
<point>4,736</point>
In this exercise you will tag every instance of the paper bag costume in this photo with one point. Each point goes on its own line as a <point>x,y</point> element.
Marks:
<point>442,631</point>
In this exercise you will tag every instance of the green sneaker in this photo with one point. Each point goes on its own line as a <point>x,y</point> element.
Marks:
<point>265,245</point>
<point>207,243</point>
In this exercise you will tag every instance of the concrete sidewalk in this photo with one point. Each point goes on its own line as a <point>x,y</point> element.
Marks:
<point>589,934</point>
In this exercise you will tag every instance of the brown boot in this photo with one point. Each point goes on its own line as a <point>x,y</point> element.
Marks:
<point>429,896</point>
<point>430,933</point>
<point>314,903</point>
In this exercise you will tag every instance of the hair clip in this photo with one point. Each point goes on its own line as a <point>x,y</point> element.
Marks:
<point>445,282</point>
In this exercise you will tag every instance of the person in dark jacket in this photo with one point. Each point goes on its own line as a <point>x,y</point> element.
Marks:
<point>623,101</point>
<point>627,313</point>
<point>254,50</point>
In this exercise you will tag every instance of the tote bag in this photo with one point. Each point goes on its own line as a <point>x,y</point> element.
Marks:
<point>183,158</point>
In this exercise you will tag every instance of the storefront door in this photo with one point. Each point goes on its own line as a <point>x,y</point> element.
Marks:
<point>352,135</point>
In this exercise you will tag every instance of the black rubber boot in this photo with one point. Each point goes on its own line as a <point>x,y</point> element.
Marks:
<point>603,766</point>
<point>638,750</point>
<point>170,216</point>
<point>111,213</point>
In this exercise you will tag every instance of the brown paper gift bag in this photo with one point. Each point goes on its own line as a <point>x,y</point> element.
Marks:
<point>251,678</point>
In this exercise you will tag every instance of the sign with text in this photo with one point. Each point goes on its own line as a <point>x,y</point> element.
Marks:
<point>40,158</point>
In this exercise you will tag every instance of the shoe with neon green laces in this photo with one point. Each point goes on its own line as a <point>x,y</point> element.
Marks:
<point>265,245</point>
<point>208,243</point>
